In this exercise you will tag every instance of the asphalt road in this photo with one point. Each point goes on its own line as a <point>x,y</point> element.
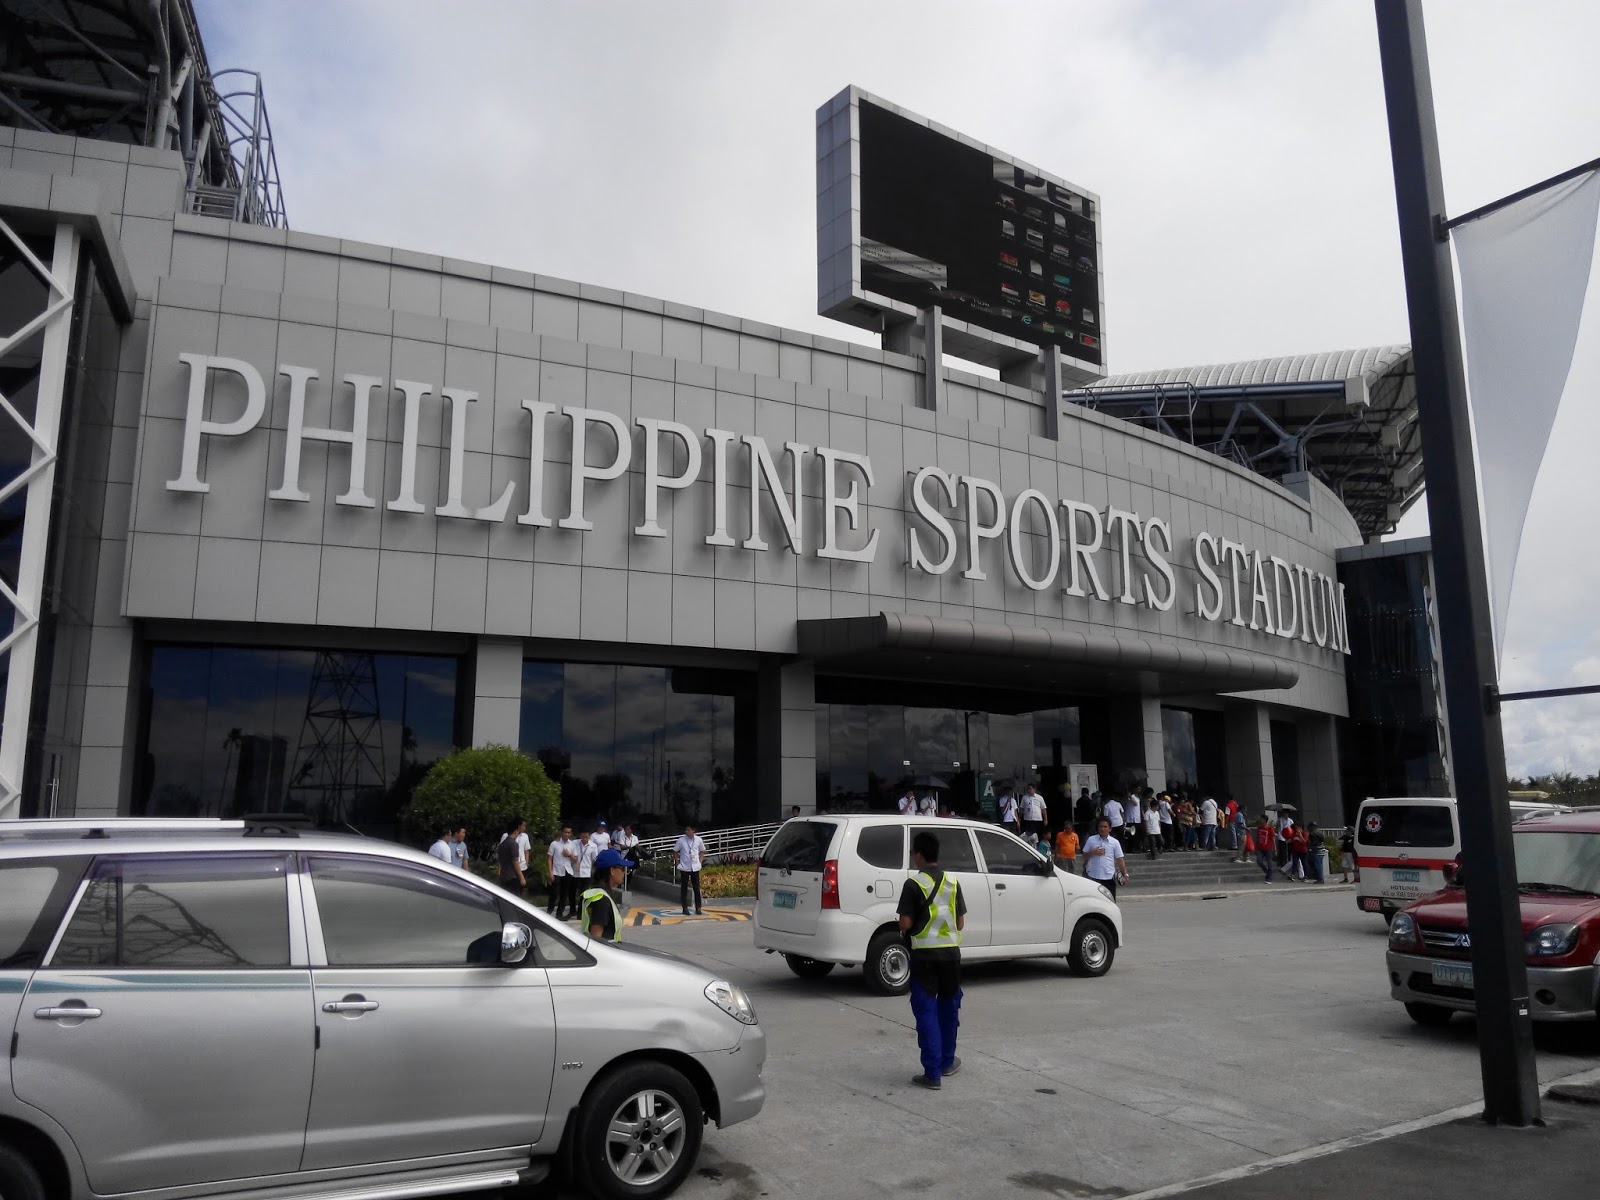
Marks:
<point>1228,1031</point>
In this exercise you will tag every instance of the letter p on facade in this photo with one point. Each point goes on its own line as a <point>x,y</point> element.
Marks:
<point>194,423</point>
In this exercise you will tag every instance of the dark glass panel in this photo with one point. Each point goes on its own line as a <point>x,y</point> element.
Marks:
<point>1178,749</point>
<point>341,735</point>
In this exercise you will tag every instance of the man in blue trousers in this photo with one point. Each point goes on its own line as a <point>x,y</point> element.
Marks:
<point>933,912</point>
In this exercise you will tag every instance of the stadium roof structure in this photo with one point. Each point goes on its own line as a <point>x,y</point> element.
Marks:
<point>135,72</point>
<point>1348,417</point>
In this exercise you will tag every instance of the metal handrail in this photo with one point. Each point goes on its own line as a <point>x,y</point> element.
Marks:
<point>739,844</point>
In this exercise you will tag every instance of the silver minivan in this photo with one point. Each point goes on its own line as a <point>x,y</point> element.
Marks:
<point>221,1009</point>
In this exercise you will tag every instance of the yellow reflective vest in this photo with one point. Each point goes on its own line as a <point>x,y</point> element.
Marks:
<point>939,932</point>
<point>593,897</point>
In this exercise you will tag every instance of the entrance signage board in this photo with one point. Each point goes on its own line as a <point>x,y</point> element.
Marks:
<point>1105,556</point>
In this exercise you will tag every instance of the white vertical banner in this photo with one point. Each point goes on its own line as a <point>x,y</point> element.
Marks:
<point>1524,270</point>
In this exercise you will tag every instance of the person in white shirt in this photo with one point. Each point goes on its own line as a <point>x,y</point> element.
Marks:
<point>928,806</point>
<point>587,851</point>
<point>689,855</point>
<point>563,855</point>
<point>441,849</point>
<point>1208,824</point>
<point>1133,818</point>
<point>1164,807</point>
<point>1113,814</point>
<point>1103,858</point>
<point>1152,829</point>
<point>1008,811</point>
<point>458,847</point>
<point>601,837</point>
<point>1034,813</point>
<point>907,803</point>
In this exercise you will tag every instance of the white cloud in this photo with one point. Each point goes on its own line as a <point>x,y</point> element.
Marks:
<point>1239,147</point>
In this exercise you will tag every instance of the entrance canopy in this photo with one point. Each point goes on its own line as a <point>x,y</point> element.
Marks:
<point>950,650</point>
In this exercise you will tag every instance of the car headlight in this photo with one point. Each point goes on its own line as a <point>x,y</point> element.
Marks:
<point>1402,932</point>
<point>1106,892</point>
<point>1550,941</point>
<point>731,999</point>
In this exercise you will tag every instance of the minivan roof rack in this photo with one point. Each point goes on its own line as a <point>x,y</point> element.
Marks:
<point>53,828</point>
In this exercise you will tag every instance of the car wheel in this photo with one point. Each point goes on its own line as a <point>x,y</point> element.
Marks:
<point>888,965</point>
<point>1430,1015</point>
<point>807,968</point>
<point>1093,948</point>
<point>18,1179</point>
<point>639,1132</point>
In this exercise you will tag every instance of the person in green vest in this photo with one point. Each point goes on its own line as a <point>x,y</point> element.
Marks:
<point>933,913</point>
<point>601,913</point>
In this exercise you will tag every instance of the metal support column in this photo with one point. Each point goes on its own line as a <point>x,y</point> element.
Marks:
<point>933,357</point>
<point>1500,974</point>
<point>37,482</point>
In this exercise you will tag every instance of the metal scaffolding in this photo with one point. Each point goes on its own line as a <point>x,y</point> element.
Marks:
<point>33,365</point>
<point>135,71</point>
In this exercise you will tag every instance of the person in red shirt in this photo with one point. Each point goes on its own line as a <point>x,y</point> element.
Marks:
<point>1299,849</point>
<point>1264,838</point>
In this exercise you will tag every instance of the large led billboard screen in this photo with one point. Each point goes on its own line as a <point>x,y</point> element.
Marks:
<point>936,219</point>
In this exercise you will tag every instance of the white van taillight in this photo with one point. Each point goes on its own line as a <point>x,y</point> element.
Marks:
<point>760,862</point>
<point>830,883</point>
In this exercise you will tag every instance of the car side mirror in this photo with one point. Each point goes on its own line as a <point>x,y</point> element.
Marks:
<point>515,938</point>
<point>1452,874</point>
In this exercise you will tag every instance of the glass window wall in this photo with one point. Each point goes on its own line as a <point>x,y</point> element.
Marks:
<point>626,746</point>
<point>867,754</point>
<point>341,735</point>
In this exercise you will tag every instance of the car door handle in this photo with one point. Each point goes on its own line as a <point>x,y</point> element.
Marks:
<point>999,887</point>
<point>67,1012</point>
<point>349,1006</point>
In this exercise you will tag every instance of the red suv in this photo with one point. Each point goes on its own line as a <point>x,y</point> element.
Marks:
<point>1558,866</point>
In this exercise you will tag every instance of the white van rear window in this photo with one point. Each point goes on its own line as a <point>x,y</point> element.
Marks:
<point>1406,825</point>
<point>800,846</point>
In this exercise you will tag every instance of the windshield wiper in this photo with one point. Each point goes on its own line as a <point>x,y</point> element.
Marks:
<point>1558,888</point>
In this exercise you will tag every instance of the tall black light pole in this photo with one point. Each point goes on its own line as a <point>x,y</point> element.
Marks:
<point>1500,974</point>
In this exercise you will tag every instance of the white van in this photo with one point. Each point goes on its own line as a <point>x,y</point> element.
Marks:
<point>1404,843</point>
<point>827,888</point>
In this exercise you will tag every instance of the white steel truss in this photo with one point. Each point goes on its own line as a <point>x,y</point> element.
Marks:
<point>36,481</point>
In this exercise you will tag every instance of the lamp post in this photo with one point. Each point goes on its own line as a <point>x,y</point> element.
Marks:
<point>1499,968</point>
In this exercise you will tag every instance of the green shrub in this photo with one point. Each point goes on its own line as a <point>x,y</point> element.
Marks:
<point>483,787</point>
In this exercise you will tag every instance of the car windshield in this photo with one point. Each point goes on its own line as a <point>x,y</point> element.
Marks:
<point>1564,863</point>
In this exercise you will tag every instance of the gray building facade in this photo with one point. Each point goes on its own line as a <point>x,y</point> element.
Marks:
<point>326,509</point>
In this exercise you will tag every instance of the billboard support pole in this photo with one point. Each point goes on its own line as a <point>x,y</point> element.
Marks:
<point>933,356</point>
<point>1499,966</point>
<point>1053,390</point>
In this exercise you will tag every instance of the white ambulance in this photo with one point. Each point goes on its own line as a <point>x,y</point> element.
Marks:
<point>1404,844</point>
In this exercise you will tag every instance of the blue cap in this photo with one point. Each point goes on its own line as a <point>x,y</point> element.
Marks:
<point>602,824</point>
<point>607,859</point>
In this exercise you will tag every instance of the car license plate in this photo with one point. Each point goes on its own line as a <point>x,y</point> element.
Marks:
<point>1452,975</point>
<point>783,899</point>
<point>1406,876</point>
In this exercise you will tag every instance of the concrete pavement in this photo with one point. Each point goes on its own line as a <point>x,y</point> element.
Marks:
<point>1225,1034</point>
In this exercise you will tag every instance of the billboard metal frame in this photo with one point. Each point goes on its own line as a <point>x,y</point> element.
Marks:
<point>840,293</point>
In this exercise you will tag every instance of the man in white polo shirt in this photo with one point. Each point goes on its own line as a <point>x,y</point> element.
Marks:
<point>1103,859</point>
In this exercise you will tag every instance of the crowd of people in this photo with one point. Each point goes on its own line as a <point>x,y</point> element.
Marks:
<point>1158,823</point>
<point>596,858</point>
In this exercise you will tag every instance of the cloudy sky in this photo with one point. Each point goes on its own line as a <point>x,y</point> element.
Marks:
<point>1238,146</point>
